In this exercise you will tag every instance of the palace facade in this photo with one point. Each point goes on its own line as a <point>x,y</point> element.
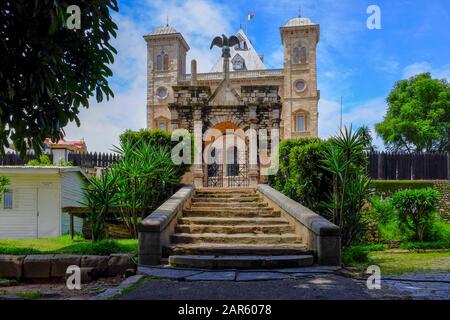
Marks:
<point>239,93</point>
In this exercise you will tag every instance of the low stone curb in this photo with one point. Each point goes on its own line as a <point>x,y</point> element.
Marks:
<point>185,274</point>
<point>54,266</point>
<point>113,292</point>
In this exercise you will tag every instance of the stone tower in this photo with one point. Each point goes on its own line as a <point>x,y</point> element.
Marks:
<point>300,95</point>
<point>166,66</point>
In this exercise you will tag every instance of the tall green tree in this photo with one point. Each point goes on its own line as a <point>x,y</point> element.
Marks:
<point>49,69</point>
<point>418,116</point>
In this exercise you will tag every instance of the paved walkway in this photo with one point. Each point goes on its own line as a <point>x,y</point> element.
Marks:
<point>283,284</point>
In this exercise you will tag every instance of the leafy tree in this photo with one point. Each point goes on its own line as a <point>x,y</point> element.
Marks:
<point>418,116</point>
<point>416,209</point>
<point>48,71</point>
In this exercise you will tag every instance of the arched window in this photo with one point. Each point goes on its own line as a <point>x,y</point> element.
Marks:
<point>159,62</point>
<point>300,124</point>
<point>303,55</point>
<point>166,62</point>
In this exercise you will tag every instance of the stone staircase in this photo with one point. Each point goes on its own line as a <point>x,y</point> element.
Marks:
<point>234,228</point>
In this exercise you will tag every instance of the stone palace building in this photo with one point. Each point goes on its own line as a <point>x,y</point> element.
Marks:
<point>239,93</point>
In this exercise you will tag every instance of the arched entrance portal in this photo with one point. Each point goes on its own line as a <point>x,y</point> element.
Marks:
<point>225,156</point>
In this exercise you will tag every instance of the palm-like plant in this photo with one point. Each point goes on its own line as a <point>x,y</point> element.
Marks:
<point>144,172</point>
<point>344,158</point>
<point>100,195</point>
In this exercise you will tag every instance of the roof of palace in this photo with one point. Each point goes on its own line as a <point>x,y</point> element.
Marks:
<point>248,53</point>
<point>298,22</point>
<point>163,30</point>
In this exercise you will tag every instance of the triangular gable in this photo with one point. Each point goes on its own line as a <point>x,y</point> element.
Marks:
<point>246,52</point>
<point>224,95</point>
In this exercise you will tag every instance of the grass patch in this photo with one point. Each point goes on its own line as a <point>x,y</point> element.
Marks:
<point>64,245</point>
<point>410,262</point>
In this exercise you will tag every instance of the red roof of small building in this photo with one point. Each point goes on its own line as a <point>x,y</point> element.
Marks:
<point>78,145</point>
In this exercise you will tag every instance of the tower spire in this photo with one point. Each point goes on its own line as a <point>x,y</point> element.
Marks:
<point>167,20</point>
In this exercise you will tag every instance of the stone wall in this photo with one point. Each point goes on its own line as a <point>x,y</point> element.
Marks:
<point>443,186</point>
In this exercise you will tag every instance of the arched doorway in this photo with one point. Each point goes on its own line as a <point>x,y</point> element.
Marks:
<point>225,156</point>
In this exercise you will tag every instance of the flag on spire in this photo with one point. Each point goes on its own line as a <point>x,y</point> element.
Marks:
<point>250,16</point>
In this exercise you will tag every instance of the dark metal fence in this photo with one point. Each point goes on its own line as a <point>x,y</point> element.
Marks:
<point>13,159</point>
<point>91,160</point>
<point>403,166</point>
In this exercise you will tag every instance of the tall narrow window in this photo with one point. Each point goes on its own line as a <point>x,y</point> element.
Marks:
<point>296,55</point>
<point>159,62</point>
<point>303,55</point>
<point>162,125</point>
<point>8,199</point>
<point>300,122</point>
<point>166,62</point>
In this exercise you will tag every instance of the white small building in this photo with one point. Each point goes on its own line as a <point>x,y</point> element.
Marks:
<point>32,205</point>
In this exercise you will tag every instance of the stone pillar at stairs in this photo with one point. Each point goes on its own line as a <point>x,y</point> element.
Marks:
<point>198,148</point>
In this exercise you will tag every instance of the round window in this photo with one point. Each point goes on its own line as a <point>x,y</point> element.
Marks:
<point>162,92</point>
<point>300,85</point>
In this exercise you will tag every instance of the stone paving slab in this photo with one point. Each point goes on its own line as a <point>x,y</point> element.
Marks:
<point>168,272</point>
<point>213,276</point>
<point>260,275</point>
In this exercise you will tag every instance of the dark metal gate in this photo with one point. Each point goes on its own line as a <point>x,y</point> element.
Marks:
<point>236,176</point>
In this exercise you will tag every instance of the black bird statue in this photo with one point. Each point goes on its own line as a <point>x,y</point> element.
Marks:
<point>225,43</point>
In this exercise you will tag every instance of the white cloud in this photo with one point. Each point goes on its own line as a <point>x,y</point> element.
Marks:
<point>199,20</point>
<point>421,67</point>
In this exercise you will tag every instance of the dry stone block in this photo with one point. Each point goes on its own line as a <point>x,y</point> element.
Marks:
<point>11,266</point>
<point>119,263</point>
<point>98,262</point>
<point>37,266</point>
<point>60,263</point>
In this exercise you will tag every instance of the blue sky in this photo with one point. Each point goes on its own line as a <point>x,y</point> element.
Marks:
<point>359,64</point>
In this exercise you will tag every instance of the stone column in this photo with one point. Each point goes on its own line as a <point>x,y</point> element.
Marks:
<point>253,171</point>
<point>193,72</point>
<point>198,147</point>
<point>275,140</point>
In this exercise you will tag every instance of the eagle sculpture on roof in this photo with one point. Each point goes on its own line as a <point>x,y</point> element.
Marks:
<point>225,43</point>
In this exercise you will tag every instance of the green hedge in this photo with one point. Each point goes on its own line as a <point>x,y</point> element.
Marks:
<point>387,188</point>
<point>301,175</point>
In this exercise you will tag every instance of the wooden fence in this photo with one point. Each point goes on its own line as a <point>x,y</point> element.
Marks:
<point>13,159</point>
<point>381,165</point>
<point>91,160</point>
<point>402,166</point>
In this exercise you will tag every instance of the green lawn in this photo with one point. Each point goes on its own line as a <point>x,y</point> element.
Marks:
<point>64,244</point>
<point>409,262</point>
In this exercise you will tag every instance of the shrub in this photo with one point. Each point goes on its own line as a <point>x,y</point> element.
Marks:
<point>280,180</point>
<point>416,209</point>
<point>383,210</point>
<point>307,181</point>
<point>355,254</point>
<point>386,188</point>
<point>44,160</point>
<point>426,245</point>
<point>4,182</point>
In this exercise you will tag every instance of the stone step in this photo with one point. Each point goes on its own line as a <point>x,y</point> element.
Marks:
<point>235,249</point>
<point>256,229</point>
<point>241,262</point>
<point>233,221</point>
<point>231,212</point>
<point>225,190</point>
<point>227,204</point>
<point>240,238</point>
<point>224,249</point>
<point>226,199</point>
